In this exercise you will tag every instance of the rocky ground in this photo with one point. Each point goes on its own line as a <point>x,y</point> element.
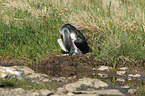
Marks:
<point>80,87</point>
<point>61,72</point>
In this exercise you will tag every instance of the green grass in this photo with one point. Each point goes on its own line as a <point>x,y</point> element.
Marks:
<point>115,29</point>
<point>25,84</point>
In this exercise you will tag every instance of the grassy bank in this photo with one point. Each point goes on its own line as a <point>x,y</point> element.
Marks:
<point>115,29</point>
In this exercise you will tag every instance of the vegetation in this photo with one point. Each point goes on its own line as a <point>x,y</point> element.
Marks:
<point>115,29</point>
<point>25,84</point>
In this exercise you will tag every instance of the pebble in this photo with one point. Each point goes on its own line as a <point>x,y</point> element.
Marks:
<point>94,69</point>
<point>103,68</point>
<point>125,86</point>
<point>45,80</point>
<point>13,71</point>
<point>45,92</point>
<point>27,70</point>
<point>136,75</point>
<point>61,90</point>
<point>120,72</point>
<point>120,79</point>
<point>34,75</point>
<point>103,75</point>
<point>70,94</point>
<point>35,94</point>
<point>132,91</point>
<point>124,68</point>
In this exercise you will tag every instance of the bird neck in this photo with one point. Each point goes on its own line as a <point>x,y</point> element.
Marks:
<point>73,36</point>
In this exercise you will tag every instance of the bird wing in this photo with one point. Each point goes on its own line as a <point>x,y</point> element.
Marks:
<point>82,45</point>
<point>80,35</point>
<point>60,42</point>
<point>67,39</point>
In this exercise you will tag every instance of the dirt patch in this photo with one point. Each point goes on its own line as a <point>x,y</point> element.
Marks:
<point>54,65</point>
<point>66,65</point>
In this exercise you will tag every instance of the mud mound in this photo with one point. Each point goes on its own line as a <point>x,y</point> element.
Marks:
<point>53,65</point>
<point>65,65</point>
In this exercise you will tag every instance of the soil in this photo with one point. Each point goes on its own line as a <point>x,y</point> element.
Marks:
<point>58,65</point>
<point>79,65</point>
<point>66,66</point>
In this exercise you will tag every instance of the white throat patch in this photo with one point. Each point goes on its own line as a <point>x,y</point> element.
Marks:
<point>73,36</point>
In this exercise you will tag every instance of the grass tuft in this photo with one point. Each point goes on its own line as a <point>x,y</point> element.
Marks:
<point>29,28</point>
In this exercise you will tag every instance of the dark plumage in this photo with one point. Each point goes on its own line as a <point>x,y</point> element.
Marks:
<point>73,40</point>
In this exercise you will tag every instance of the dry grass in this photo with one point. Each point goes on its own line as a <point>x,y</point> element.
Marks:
<point>114,28</point>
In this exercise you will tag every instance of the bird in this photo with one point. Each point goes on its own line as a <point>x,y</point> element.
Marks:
<point>72,40</point>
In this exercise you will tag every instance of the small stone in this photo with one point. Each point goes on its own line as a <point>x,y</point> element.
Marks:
<point>35,94</point>
<point>93,74</point>
<point>132,91</point>
<point>41,78</point>
<point>45,80</point>
<point>34,75</point>
<point>61,90</point>
<point>103,68</point>
<point>130,75</point>
<point>136,75</point>
<point>120,79</point>
<point>129,78</point>
<point>124,68</point>
<point>11,72</point>
<point>103,75</point>
<point>19,89</point>
<point>94,69</point>
<point>72,87</point>
<point>45,92</point>
<point>65,55</point>
<point>27,70</point>
<point>44,75</point>
<point>120,72</point>
<point>70,94</point>
<point>2,75</point>
<point>19,74</point>
<point>96,83</point>
<point>125,86</point>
